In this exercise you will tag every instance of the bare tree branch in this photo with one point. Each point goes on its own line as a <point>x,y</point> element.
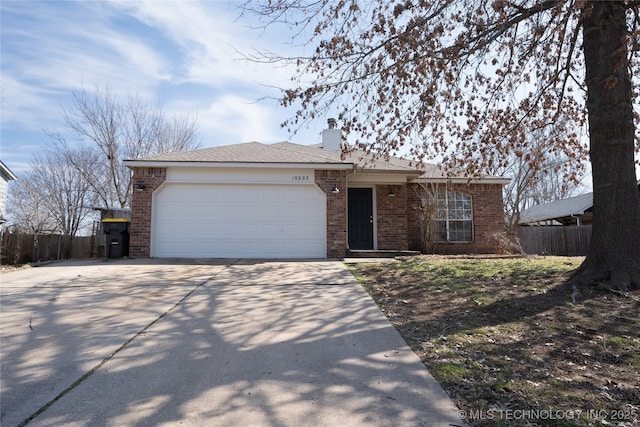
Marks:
<point>470,81</point>
<point>115,130</point>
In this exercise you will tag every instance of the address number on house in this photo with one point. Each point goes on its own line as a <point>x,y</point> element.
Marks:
<point>300,178</point>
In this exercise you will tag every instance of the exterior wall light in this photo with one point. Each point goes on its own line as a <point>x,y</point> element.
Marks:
<point>335,189</point>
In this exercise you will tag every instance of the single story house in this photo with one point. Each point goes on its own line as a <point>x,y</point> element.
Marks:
<point>287,200</point>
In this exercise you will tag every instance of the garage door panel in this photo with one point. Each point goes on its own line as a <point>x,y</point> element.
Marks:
<point>220,220</point>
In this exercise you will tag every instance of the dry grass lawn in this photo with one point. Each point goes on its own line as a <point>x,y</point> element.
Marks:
<point>508,343</point>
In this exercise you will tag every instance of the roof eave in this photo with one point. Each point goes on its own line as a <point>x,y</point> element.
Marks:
<point>415,173</point>
<point>248,165</point>
<point>7,172</point>
<point>463,180</point>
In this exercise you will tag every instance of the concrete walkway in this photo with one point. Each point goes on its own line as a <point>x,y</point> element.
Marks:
<point>205,342</point>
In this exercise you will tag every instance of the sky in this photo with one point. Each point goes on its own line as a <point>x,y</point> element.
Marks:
<point>184,55</point>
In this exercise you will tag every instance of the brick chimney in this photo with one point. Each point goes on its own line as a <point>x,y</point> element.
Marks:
<point>332,137</point>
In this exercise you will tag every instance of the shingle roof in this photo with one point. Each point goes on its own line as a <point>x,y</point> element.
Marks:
<point>290,153</point>
<point>249,152</point>
<point>558,209</point>
<point>299,151</point>
<point>357,157</point>
<point>282,152</point>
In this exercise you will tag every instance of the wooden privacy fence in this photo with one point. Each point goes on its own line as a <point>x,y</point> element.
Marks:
<point>555,240</point>
<point>19,248</point>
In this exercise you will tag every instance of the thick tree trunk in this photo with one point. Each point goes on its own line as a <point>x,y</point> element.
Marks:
<point>614,257</point>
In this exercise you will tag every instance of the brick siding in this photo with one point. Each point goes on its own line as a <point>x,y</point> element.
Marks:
<point>326,180</point>
<point>141,204</point>
<point>488,219</point>
<point>398,224</point>
<point>392,218</point>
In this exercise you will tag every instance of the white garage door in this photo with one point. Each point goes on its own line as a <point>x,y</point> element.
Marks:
<point>239,221</point>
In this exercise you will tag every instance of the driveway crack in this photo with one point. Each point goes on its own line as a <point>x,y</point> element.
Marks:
<point>122,347</point>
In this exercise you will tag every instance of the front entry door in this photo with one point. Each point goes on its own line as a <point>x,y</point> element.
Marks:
<point>360,218</point>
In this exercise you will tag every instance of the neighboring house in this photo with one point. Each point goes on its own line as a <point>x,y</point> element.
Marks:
<point>5,176</point>
<point>286,200</point>
<point>576,210</point>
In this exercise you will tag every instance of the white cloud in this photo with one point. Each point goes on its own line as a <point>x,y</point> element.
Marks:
<point>66,44</point>
<point>181,53</point>
<point>52,48</point>
<point>232,119</point>
<point>211,38</point>
<point>19,100</point>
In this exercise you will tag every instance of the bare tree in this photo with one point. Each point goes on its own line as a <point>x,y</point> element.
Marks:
<point>469,80</point>
<point>114,130</point>
<point>69,198</point>
<point>52,197</point>
<point>550,177</point>
<point>26,208</point>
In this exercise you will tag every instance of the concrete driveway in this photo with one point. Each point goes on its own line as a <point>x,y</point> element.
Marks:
<point>205,342</point>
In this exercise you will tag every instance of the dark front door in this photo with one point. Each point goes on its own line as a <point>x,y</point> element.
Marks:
<point>360,218</point>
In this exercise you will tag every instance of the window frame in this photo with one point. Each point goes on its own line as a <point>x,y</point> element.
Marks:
<point>457,207</point>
